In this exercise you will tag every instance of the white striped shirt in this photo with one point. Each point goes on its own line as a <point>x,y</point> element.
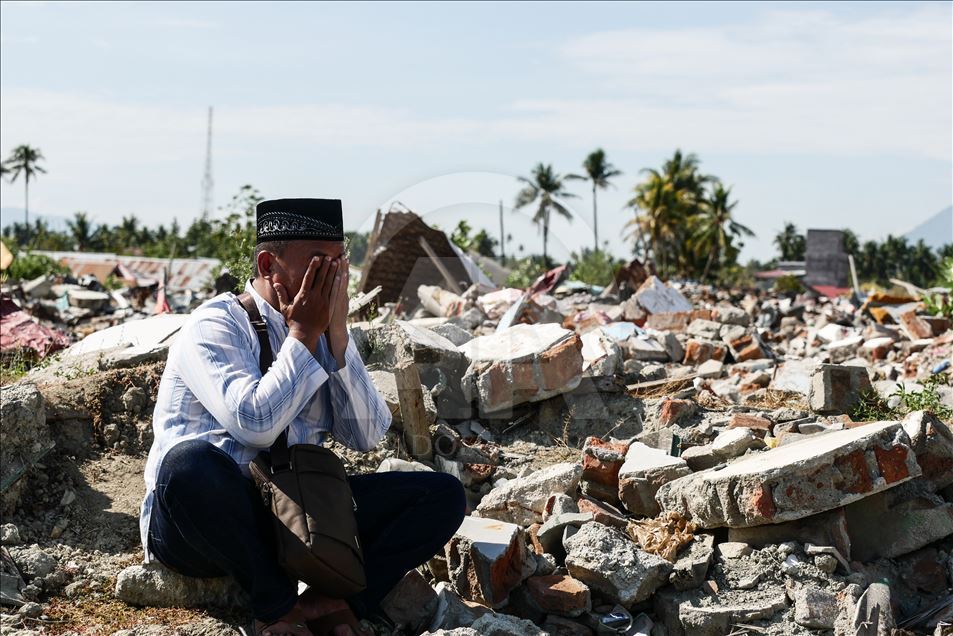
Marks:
<point>212,389</point>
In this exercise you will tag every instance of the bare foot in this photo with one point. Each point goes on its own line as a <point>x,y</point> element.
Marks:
<point>291,624</point>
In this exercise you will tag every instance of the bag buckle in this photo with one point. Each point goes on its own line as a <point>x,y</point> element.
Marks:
<point>280,468</point>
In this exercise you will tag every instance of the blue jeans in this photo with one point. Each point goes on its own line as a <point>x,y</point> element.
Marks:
<point>208,520</point>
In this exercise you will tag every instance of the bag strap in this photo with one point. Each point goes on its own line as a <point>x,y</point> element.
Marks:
<point>280,456</point>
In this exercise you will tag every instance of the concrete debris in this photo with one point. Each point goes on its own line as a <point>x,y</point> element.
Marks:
<point>606,560</point>
<point>644,471</point>
<point>487,559</point>
<point>525,363</point>
<point>796,480</point>
<point>154,585</point>
<point>694,460</point>
<point>523,500</point>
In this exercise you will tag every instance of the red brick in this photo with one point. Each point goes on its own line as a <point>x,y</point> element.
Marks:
<point>559,594</point>
<point>601,461</point>
<point>754,422</point>
<point>915,326</point>
<point>602,513</point>
<point>673,411</point>
<point>670,321</point>
<point>698,351</point>
<point>853,468</point>
<point>892,463</point>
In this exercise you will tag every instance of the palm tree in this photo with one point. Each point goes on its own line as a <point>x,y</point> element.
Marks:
<point>81,229</point>
<point>127,232</point>
<point>24,159</point>
<point>791,243</point>
<point>545,188</point>
<point>598,171</point>
<point>714,226</point>
<point>655,204</point>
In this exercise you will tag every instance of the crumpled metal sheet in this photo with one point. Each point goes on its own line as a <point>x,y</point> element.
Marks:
<point>18,331</point>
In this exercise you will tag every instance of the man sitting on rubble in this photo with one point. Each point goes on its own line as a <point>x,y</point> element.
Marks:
<point>215,411</point>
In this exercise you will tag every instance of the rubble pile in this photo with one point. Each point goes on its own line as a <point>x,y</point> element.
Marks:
<point>647,459</point>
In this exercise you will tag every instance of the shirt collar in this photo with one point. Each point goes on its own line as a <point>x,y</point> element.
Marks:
<point>268,312</point>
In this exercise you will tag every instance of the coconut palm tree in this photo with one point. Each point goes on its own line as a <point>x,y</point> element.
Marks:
<point>24,159</point>
<point>81,230</point>
<point>545,189</point>
<point>790,243</point>
<point>714,226</point>
<point>598,172</point>
<point>655,204</point>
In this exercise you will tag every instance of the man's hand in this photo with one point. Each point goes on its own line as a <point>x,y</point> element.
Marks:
<point>310,313</point>
<point>337,330</point>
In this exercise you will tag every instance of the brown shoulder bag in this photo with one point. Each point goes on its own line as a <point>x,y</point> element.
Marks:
<point>306,489</point>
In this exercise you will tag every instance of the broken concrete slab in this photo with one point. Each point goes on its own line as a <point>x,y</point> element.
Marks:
<point>608,561</point>
<point>525,363</point>
<point>796,480</point>
<point>838,388</point>
<point>523,500</point>
<point>486,559</point>
<point>656,297</point>
<point>644,471</point>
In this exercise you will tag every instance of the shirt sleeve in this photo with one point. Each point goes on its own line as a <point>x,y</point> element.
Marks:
<point>220,366</point>
<point>361,416</point>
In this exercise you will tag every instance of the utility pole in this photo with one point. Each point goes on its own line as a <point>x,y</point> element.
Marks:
<point>502,236</point>
<point>208,184</point>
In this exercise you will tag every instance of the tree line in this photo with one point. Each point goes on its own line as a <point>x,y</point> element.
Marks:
<point>876,261</point>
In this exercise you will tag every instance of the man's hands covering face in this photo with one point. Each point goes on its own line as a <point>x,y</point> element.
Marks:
<point>312,311</point>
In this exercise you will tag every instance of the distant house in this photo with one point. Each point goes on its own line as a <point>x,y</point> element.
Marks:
<point>139,271</point>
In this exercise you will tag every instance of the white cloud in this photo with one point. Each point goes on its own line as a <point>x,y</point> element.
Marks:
<point>789,81</point>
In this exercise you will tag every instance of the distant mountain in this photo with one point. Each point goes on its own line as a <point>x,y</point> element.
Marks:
<point>936,231</point>
<point>10,215</point>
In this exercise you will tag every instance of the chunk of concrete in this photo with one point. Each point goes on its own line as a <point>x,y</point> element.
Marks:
<point>794,376</point>
<point>486,559</point>
<point>601,354</point>
<point>838,388</point>
<point>733,442</point>
<point>644,471</point>
<point>657,298</point>
<point>154,585</point>
<point>550,534</point>
<point>932,441</point>
<point>386,384</point>
<point>525,363</point>
<point>692,564</point>
<point>796,480</point>
<point>523,500</point>
<point>608,561</point>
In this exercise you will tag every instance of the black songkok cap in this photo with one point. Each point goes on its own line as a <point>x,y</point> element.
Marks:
<point>295,219</point>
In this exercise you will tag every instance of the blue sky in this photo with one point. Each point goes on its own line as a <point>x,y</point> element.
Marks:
<point>827,115</point>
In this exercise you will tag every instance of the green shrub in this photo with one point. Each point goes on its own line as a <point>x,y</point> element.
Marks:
<point>594,267</point>
<point>29,266</point>
<point>525,272</point>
